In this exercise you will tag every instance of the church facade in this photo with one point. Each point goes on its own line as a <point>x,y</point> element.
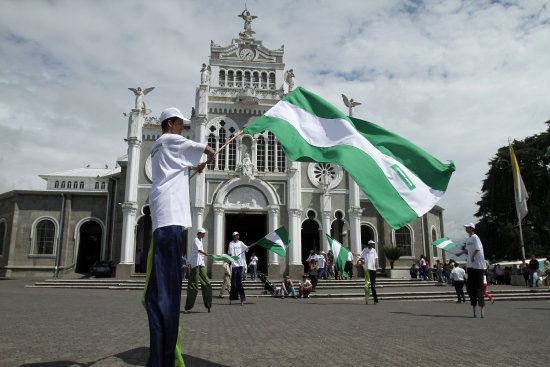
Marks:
<point>251,187</point>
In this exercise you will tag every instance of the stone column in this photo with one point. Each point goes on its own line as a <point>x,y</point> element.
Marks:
<point>295,267</point>
<point>355,212</point>
<point>217,266</point>
<point>129,207</point>
<point>273,222</point>
<point>326,213</point>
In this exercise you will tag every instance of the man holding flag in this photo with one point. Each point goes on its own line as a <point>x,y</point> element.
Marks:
<point>370,257</point>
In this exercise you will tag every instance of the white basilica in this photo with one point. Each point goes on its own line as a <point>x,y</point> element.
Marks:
<point>250,188</point>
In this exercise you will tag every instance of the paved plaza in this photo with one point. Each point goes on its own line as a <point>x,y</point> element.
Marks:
<point>106,328</point>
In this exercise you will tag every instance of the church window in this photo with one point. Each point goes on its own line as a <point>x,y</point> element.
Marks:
<point>261,154</point>
<point>271,80</point>
<point>270,151</point>
<point>103,186</point>
<point>82,184</point>
<point>222,78</point>
<point>232,154</point>
<point>264,81</point>
<point>62,184</point>
<point>97,185</point>
<point>337,227</point>
<point>2,235</point>
<point>75,185</point>
<point>239,81</point>
<point>403,240</point>
<point>255,79</point>
<point>434,238</point>
<point>56,185</point>
<point>281,159</point>
<point>247,78</point>
<point>212,143</point>
<point>69,184</point>
<point>45,237</point>
<point>221,142</point>
<point>230,78</point>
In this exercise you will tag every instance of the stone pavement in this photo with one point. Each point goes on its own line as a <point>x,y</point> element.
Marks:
<point>106,328</point>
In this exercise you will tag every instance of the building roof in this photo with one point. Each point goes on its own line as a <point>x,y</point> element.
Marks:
<point>85,172</point>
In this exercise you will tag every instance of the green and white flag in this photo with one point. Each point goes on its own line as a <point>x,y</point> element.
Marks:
<point>276,241</point>
<point>444,243</point>
<point>340,255</point>
<point>402,181</point>
<point>225,257</point>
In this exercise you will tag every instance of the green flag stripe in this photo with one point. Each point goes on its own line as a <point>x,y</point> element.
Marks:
<point>340,254</point>
<point>224,257</point>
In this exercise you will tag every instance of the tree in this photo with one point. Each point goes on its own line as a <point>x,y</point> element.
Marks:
<point>393,254</point>
<point>498,224</point>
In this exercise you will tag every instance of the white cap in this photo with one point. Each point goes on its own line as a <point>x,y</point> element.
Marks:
<point>235,233</point>
<point>201,230</point>
<point>172,112</point>
<point>371,241</point>
<point>471,225</point>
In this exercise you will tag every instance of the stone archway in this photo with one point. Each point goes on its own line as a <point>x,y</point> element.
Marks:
<point>89,246</point>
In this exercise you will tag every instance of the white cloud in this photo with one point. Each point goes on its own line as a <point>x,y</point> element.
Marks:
<point>457,78</point>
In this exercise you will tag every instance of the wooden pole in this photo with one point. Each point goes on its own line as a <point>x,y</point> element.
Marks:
<point>223,146</point>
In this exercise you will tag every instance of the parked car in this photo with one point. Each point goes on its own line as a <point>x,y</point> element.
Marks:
<point>101,269</point>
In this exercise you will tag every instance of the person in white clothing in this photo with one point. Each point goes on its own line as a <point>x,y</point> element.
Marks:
<point>457,275</point>
<point>253,266</point>
<point>237,248</point>
<point>370,264</point>
<point>349,264</point>
<point>172,157</point>
<point>198,274</point>
<point>475,267</point>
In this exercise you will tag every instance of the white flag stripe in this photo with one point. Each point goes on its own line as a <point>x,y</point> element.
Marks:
<point>274,237</point>
<point>444,243</point>
<point>323,132</point>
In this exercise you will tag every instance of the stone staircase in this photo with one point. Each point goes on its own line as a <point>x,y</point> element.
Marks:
<point>387,289</point>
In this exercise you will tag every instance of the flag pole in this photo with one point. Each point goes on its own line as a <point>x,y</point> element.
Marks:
<point>223,146</point>
<point>516,201</point>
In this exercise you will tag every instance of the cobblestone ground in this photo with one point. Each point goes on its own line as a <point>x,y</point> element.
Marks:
<point>102,328</point>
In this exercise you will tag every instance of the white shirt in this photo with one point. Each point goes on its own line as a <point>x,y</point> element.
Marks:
<point>473,243</point>
<point>253,260</point>
<point>320,261</point>
<point>458,274</point>
<point>171,157</point>
<point>370,257</point>
<point>196,258</point>
<point>350,256</point>
<point>238,249</point>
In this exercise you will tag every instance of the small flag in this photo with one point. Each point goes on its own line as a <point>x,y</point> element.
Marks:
<point>225,257</point>
<point>444,243</point>
<point>276,241</point>
<point>402,181</point>
<point>340,255</point>
<point>520,191</point>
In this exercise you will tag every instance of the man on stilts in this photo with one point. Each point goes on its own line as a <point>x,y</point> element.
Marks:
<point>171,158</point>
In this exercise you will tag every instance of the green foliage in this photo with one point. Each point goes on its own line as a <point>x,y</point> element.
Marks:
<point>393,254</point>
<point>498,224</point>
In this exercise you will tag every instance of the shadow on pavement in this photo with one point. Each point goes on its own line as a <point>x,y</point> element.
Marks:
<point>132,357</point>
<point>444,316</point>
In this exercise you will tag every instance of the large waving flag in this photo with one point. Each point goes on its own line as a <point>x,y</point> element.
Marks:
<point>520,191</point>
<point>225,257</point>
<point>340,255</point>
<point>444,243</point>
<point>276,241</point>
<point>401,180</point>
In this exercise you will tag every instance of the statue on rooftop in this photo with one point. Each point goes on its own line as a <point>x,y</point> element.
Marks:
<point>248,18</point>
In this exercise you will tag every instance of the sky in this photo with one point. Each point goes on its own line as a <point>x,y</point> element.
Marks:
<point>457,78</point>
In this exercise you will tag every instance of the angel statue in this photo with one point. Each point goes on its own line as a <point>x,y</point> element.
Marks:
<point>139,95</point>
<point>205,74</point>
<point>350,103</point>
<point>289,79</point>
<point>248,18</point>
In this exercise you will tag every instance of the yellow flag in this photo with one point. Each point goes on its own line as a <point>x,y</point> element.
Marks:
<point>521,195</point>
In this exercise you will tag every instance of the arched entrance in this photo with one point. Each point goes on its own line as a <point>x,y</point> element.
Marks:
<point>310,238</point>
<point>367,234</point>
<point>89,246</point>
<point>251,227</point>
<point>143,240</point>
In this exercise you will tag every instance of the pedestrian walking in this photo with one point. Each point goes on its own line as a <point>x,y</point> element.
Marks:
<point>198,274</point>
